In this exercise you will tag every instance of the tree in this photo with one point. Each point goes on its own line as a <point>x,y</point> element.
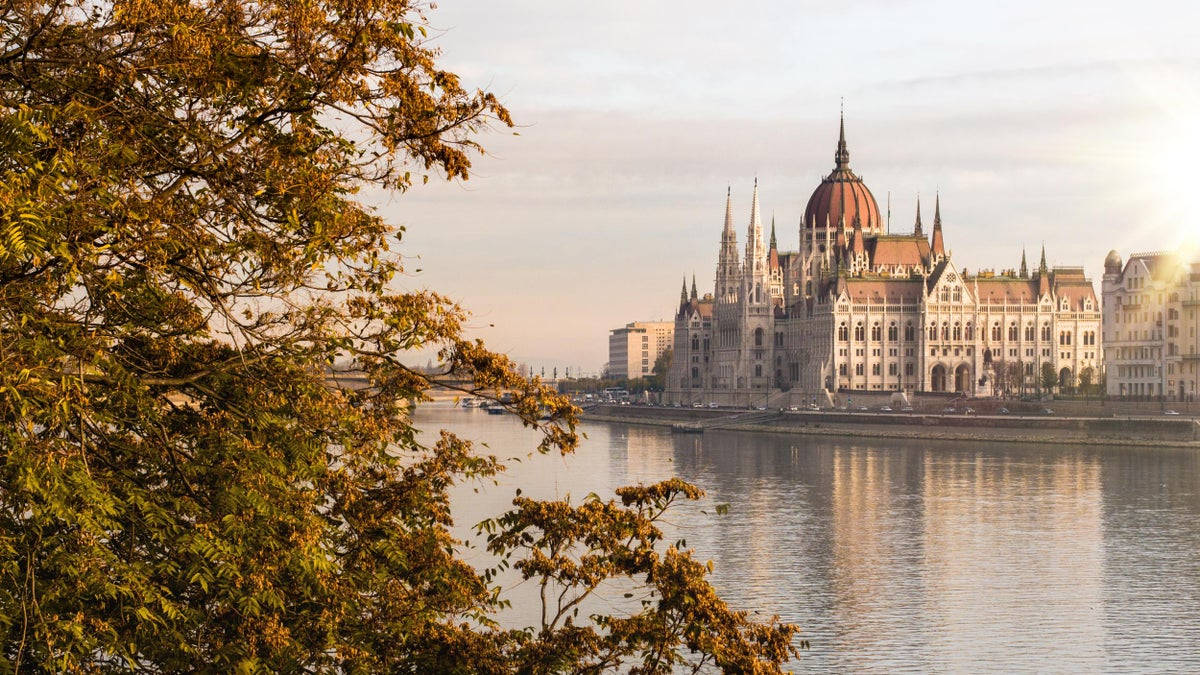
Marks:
<point>1085,379</point>
<point>662,365</point>
<point>1049,377</point>
<point>183,268</point>
<point>1000,372</point>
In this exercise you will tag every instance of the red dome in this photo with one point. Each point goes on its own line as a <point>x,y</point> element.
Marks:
<point>843,193</point>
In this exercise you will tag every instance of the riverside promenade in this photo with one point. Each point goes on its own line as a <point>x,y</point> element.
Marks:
<point>1133,431</point>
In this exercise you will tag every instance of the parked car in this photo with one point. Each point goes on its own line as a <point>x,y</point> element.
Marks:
<point>968,411</point>
<point>1002,411</point>
<point>949,411</point>
<point>712,405</point>
<point>863,408</point>
<point>1047,411</point>
<point>697,404</point>
<point>794,408</point>
<point>760,407</point>
<point>906,409</point>
<point>1170,412</point>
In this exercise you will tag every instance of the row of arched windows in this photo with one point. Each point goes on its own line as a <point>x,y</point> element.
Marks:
<point>893,332</point>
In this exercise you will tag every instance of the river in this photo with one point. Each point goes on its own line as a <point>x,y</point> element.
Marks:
<point>905,556</point>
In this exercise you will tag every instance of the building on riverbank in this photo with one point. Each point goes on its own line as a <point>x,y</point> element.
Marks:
<point>634,347</point>
<point>1151,325</point>
<point>859,309</point>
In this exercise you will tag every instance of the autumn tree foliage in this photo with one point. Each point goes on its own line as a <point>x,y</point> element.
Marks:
<point>183,266</point>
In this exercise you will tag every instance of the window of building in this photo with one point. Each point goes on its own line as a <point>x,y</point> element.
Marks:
<point>874,368</point>
<point>1029,332</point>
<point>842,370</point>
<point>1012,332</point>
<point>996,331</point>
<point>858,369</point>
<point>908,369</point>
<point>891,369</point>
<point>908,332</point>
<point>957,331</point>
<point>758,370</point>
<point>758,337</point>
<point>843,332</point>
<point>892,332</point>
<point>876,332</point>
<point>859,332</point>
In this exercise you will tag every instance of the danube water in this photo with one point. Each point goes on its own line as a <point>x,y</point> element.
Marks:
<point>903,556</point>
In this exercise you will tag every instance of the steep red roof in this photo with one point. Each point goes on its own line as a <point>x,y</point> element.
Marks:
<point>894,250</point>
<point>1007,290</point>
<point>878,290</point>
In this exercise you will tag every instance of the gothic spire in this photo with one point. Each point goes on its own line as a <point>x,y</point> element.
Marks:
<point>729,210</point>
<point>938,246</point>
<point>694,296</point>
<point>917,227</point>
<point>1024,266</point>
<point>683,293</point>
<point>856,243</point>
<point>773,244</point>
<point>1042,269</point>
<point>842,158</point>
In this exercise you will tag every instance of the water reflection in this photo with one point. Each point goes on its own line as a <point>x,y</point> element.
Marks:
<point>910,556</point>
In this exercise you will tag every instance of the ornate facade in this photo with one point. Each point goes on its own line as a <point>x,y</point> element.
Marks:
<point>860,309</point>
<point>1152,326</point>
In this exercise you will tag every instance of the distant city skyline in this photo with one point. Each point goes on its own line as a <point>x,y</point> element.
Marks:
<point>1068,124</point>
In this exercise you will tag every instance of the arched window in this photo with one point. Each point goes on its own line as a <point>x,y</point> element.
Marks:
<point>958,295</point>
<point>758,337</point>
<point>892,334</point>
<point>946,330</point>
<point>970,331</point>
<point>1046,332</point>
<point>957,331</point>
<point>843,332</point>
<point>876,332</point>
<point>1029,333</point>
<point>695,343</point>
<point>908,332</point>
<point>859,332</point>
<point>933,331</point>
<point>996,331</point>
<point>1013,332</point>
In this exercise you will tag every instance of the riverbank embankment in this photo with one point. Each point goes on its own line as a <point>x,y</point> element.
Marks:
<point>1086,431</point>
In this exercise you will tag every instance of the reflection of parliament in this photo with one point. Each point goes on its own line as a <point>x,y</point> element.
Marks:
<point>859,309</point>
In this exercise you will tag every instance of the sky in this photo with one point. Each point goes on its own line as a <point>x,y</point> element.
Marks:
<point>1073,125</point>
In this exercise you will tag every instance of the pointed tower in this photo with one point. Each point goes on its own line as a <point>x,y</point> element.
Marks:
<point>1042,268</point>
<point>1024,265</point>
<point>917,226</point>
<point>728,272</point>
<point>937,247</point>
<point>694,295</point>
<point>683,298</point>
<point>858,249</point>
<point>842,157</point>
<point>755,274</point>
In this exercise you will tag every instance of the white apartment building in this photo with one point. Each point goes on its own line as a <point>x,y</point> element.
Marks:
<point>633,348</point>
<point>1151,326</point>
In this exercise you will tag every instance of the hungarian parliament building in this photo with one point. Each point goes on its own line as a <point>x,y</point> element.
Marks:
<point>859,309</point>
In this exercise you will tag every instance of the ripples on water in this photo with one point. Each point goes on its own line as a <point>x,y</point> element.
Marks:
<point>904,556</point>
